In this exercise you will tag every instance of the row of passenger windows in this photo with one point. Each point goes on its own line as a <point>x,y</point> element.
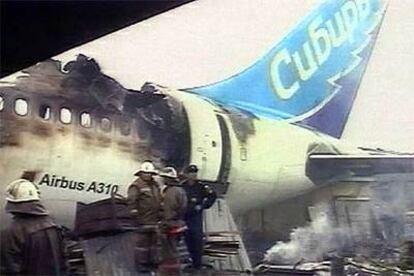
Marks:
<point>21,108</point>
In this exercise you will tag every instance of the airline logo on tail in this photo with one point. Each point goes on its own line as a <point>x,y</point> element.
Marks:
<point>319,61</point>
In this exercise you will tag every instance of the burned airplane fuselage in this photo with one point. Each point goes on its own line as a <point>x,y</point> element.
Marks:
<point>83,136</point>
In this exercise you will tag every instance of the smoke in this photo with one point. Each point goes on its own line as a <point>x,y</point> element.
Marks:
<point>374,226</point>
<point>311,242</point>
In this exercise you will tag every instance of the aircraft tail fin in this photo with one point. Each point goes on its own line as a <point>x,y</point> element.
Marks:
<point>312,76</point>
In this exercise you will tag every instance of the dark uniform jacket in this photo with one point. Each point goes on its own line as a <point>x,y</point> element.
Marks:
<point>144,200</point>
<point>32,245</point>
<point>199,197</point>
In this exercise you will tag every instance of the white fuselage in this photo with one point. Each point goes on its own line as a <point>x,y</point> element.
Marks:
<point>266,166</point>
<point>263,160</point>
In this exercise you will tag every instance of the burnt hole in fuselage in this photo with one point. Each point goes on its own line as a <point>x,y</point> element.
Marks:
<point>86,109</point>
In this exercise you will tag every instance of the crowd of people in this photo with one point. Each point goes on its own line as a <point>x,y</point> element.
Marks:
<point>164,207</point>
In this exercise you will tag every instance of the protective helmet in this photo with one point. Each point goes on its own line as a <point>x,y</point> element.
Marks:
<point>169,172</point>
<point>22,190</point>
<point>147,167</point>
<point>191,169</point>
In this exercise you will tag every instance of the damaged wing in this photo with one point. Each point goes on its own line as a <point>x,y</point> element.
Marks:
<point>322,167</point>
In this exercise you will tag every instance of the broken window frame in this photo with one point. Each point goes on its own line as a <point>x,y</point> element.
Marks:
<point>47,112</point>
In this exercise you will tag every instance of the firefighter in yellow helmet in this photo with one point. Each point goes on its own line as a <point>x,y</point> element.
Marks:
<point>32,245</point>
<point>144,201</point>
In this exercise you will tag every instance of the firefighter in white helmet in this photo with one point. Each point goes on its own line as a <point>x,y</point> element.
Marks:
<point>174,197</point>
<point>174,207</point>
<point>144,201</point>
<point>32,244</point>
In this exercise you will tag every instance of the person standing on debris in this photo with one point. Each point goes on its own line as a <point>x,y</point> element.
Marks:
<point>33,243</point>
<point>174,207</point>
<point>144,201</point>
<point>199,197</point>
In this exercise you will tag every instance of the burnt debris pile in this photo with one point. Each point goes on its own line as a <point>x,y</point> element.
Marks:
<point>372,233</point>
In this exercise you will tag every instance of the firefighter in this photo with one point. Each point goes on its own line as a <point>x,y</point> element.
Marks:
<point>33,244</point>
<point>144,201</point>
<point>199,197</point>
<point>174,207</point>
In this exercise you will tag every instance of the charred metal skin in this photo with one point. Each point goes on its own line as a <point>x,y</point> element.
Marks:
<point>82,89</point>
<point>80,130</point>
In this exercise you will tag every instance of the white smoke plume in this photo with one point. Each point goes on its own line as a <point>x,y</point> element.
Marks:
<point>372,228</point>
<point>311,242</point>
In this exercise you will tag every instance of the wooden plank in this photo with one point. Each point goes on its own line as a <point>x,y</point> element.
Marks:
<point>220,227</point>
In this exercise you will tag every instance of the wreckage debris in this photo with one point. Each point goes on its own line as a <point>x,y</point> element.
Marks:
<point>350,266</point>
<point>221,244</point>
<point>373,231</point>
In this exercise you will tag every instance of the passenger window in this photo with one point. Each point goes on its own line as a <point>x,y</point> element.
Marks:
<point>125,128</point>
<point>1,103</point>
<point>44,112</point>
<point>85,119</point>
<point>106,124</point>
<point>65,115</point>
<point>21,107</point>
